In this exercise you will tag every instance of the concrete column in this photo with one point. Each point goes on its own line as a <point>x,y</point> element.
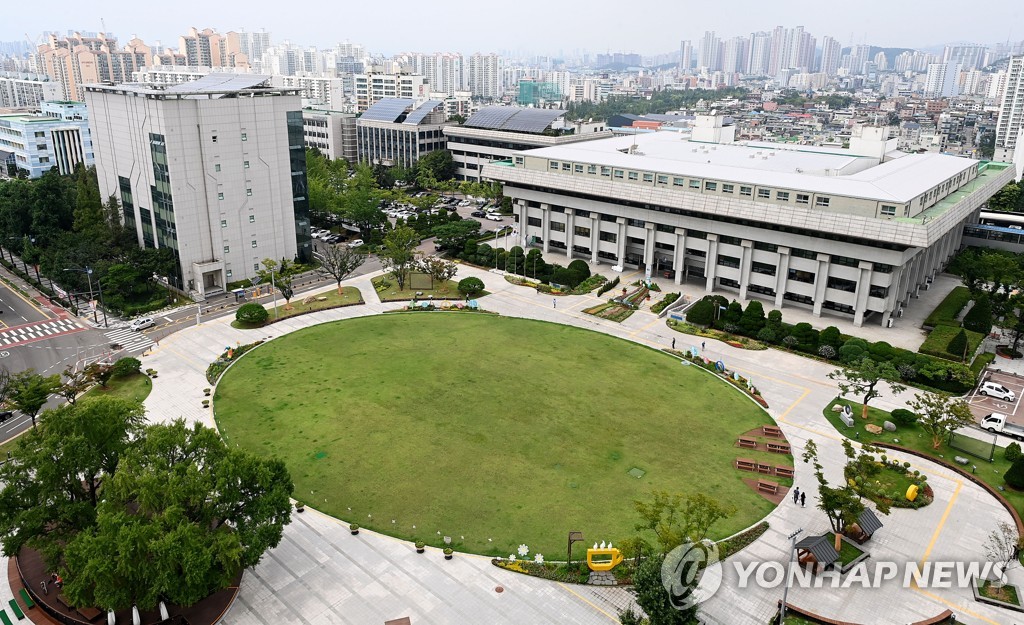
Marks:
<point>863,290</point>
<point>679,260</point>
<point>595,234</point>
<point>570,224</point>
<point>745,260</point>
<point>545,229</point>
<point>781,276</point>
<point>711,263</point>
<point>905,281</point>
<point>649,234</point>
<point>893,296</point>
<point>620,241</point>
<point>914,286</point>
<point>523,217</point>
<point>820,281</point>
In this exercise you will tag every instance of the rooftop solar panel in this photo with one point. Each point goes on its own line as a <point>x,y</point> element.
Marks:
<point>515,119</point>
<point>491,117</point>
<point>221,82</point>
<point>422,111</point>
<point>387,110</point>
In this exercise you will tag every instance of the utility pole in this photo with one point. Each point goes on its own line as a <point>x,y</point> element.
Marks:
<point>789,574</point>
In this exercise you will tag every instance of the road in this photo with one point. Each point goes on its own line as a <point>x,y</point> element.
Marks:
<point>16,310</point>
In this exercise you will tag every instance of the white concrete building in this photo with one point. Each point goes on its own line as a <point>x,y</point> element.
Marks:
<point>27,91</point>
<point>399,131</point>
<point>1011,111</point>
<point>371,88</point>
<point>57,137</point>
<point>942,80</point>
<point>855,232</point>
<point>333,133</point>
<point>214,170</point>
<point>316,90</point>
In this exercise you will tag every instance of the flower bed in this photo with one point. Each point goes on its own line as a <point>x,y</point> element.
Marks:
<point>612,311</point>
<point>738,381</point>
<point>217,367</point>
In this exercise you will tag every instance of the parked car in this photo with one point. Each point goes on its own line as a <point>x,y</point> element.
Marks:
<point>332,239</point>
<point>493,216</point>
<point>141,324</point>
<point>478,214</point>
<point>993,389</point>
<point>464,203</point>
<point>5,415</point>
<point>356,243</point>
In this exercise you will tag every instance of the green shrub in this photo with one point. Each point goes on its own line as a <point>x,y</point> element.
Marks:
<point>831,336</point>
<point>904,417</point>
<point>979,317</point>
<point>608,286</point>
<point>949,309</point>
<point>881,351</point>
<point>752,319</point>
<point>850,353</point>
<point>471,286</point>
<point>665,302</point>
<point>581,268</point>
<point>701,313</point>
<point>1015,474</point>
<point>958,344</point>
<point>252,313</point>
<point>1012,452</point>
<point>566,276</point>
<point>939,339</point>
<point>766,334</point>
<point>125,366</point>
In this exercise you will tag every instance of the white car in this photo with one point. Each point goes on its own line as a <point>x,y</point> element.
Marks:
<point>993,389</point>
<point>141,324</point>
<point>355,244</point>
<point>493,216</point>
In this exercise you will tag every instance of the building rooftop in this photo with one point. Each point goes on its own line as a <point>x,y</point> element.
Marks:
<point>514,118</point>
<point>818,169</point>
<point>211,86</point>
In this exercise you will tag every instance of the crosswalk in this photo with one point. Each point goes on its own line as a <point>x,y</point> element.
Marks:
<point>129,340</point>
<point>36,331</point>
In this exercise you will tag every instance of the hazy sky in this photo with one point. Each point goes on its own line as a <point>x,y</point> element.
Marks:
<point>528,25</point>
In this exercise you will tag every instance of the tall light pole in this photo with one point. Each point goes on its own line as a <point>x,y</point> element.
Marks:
<point>88,273</point>
<point>789,574</point>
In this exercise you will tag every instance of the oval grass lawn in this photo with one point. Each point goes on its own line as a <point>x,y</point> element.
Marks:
<point>495,431</point>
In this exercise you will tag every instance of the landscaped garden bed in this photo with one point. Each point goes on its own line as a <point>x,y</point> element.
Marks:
<point>612,311</point>
<point>420,289</point>
<point>1004,595</point>
<point>349,296</point>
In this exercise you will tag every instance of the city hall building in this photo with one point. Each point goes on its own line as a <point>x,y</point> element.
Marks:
<point>856,231</point>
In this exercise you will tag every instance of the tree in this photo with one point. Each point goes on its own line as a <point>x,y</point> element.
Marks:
<point>652,596</point>
<point>1014,476</point>
<point>453,236</point>
<point>75,383</point>
<point>580,267</point>
<point>252,313</point>
<point>702,313</point>
<point>678,518</point>
<point>1003,548</point>
<point>471,286</point>
<point>1006,199</point>
<point>338,262</point>
<point>29,391</point>
<point>752,319</point>
<point>88,212</point>
<point>843,505</point>
<point>280,275</point>
<point>126,366</point>
<point>398,254</point>
<point>979,317</point>
<point>181,516</point>
<point>831,336</point>
<point>100,372</point>
<point>957,345</point>
<point>861,377</point>
<point>439,269</point>
<point>438,164</point>
<point>939,414</point>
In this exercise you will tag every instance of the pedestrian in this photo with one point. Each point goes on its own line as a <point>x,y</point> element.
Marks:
<point>554,302</point>
<point>796,495</point>
<point>673,343</point>
<point>703,344</point>
<point>803,500</point>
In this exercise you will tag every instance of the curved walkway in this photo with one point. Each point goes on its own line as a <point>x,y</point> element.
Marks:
<point>321,574</point>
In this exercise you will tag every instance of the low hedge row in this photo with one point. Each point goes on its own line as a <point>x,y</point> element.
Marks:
<point>949,309</point>
<point>938,341</point>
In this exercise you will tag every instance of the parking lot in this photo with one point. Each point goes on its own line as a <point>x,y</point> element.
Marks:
<point>982,406</point>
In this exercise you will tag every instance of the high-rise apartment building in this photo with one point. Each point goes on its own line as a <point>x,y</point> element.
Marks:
<point>736,55</point>
<point>209,48</point>
<point>685,55</point>
<point>19,90</point>
<point>791,48</point>
<point>968,56</point>
<point>942,80</point>
<point>213,170</point>
<point>710,52</point>
<point>77,60</point>
<point>252,45</point>
<point>1011,111</point>
<point>483,75</point>
<point>370,88</point>
<point>760,53</point>
<point>831,53</point>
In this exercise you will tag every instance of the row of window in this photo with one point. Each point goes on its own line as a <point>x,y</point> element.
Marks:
<point>220,194</point>
<point>227,248</point>
<point>229,273</point>
<point>224,222</point>
<point>245,137</point>
<point>216,166</point>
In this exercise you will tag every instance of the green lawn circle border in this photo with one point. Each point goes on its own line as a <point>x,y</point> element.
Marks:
<point>301,451</point>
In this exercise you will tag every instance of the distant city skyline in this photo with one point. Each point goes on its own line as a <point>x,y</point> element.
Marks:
<point>524,26</point>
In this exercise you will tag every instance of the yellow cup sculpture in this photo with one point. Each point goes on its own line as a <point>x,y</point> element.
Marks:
<point>912,492</point>
<point>603,558</point>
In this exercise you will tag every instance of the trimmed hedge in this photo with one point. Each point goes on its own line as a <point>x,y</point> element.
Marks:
<point>608,286</point>
<point>665,302</point>
<point>946,312</point>
<point>939,339</point>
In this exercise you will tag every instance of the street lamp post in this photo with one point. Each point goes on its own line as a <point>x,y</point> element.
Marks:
<point>789,571</point>
<point>88,273</point>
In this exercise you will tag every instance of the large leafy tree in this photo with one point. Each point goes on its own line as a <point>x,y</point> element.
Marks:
<point>841,505</point>
<point>939,414</point>
<point>438,164</point>
<point>652,596</point>
<point>280,275</point>
<point>452,236</point>
<point>439,269</point>
<point>863,376</point>
<point>29,391</point>
<point>398,254</point>
<point>677,518</point>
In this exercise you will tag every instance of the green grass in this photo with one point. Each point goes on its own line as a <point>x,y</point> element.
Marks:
<point>946,312</point>
<point>388,291</point>
<point>914,438</point>
<point>487,427</point>
<point>1007,593</point>
<point>133,387</point>
<point>348,295</point>
<point>939,338</point>
<point>847,552</point>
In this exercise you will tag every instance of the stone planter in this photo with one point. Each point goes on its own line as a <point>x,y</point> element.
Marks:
<point>1002,604</point>
<point>353,529</point>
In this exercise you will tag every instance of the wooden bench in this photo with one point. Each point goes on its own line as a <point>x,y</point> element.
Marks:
<point>748,443</point>
<point>746,464</point>
<point>764,468</point>
<point>784,471</point>
<point>772,488</point>
<point>16,609</point>
<point>4,618</point>
<point>26,599</point>
<point>779,448</point>
<point>772,430</point>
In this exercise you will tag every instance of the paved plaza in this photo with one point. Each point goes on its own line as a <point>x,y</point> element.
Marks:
<point>322,574</point>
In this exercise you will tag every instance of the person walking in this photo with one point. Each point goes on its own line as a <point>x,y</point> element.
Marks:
<point>554,302</point>
<point>796,495</point>
<point>803,500</point>
<point>673,343</point>
<point>703,344</point>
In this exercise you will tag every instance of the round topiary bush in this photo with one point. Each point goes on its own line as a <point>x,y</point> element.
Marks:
<point>1013,452</point>
<point>252,313</point>
<point>1014,477</point>
<point>903,417</point>
<point>471,286</point>
<point>125,366</point>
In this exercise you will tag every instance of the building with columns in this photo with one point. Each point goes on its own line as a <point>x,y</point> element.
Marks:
<point>855,232</point>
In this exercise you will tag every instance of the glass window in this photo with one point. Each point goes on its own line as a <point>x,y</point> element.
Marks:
<point>254,243</point>
<point>745,191</point>
<point>227,249</point>
<point>255,266</point>
<point>695,184</point>
<point>252,219</point>
<point>619,173</point>
<point>553,165</point>
<point>216,167</point>
<point>888,210</point>
<point>578,169</point>
<point>223,223</point>
<point>782,196</point>
<point>764,194</point>
<point>765,247</point>
<point>821,201</point>
<point>228,273</point>
<point>727,188</point>
<point>220,196</point>
<point>244,137</point>
<point>648,177</point>
<point>215,138</point>
<point>633,175</point>
<point>710,186</point>
<point>662,179</point>
<point>591,169</point>
<point>803,198</point>
<point>678,182</point>
<point>566,166</point>
<point>246,164</point>
<point>606,171</point>
<point>248,192</point>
